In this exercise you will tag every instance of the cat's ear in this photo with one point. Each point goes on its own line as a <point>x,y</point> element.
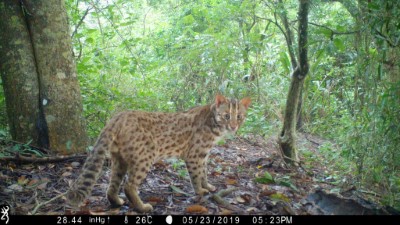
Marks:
<point>219,99</point>
<point>245,102</point>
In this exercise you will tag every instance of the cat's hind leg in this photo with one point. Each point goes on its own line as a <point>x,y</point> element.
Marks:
<point>118,171</point>
<point>139,166</point>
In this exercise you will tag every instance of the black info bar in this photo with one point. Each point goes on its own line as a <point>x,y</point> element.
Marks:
<point>197,219</point>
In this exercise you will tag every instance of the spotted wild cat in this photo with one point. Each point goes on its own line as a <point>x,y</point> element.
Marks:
<point>137,139</point>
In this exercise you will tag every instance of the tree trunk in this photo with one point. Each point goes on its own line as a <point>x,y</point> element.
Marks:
<point>18,73</point>
<point>289,41</point>
<point>287,139</point>
<point>58,101</point>
<point>299,123</point>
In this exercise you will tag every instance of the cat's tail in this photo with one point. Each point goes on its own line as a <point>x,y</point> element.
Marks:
<point>89,175</point>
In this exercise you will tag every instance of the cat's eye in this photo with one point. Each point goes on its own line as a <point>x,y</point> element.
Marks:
<point>227,116</point>
<point>239,117</point>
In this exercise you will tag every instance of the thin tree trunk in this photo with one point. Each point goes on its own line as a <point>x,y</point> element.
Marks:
<point>287,139</point>
<point>293,60</point>
<point>299,123</point>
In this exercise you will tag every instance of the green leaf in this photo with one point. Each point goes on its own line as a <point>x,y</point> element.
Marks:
<point>35,152</point>
<point>339,44</point>
<point>326,32</point>
<point>123,62</point>
<point>178,190</point>
<point>373,6</point>
<point>284,59</point>
<point>89,31</point>
<point>287,183</point>
<point>89,40</point>
<point>266,179</point>
<point>280,196</point>
<point>189,19</point>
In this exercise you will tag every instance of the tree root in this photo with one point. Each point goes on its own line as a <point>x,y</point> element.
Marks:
<point>218,198</point>
<point>24,159</point>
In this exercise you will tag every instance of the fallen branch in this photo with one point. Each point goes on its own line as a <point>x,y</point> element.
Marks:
<point>218,197</point>
<point>24,159</point>
<point>45,203</point>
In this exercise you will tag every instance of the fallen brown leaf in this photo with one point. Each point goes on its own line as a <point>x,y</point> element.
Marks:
<point>82,211</point>
<point>160,164</point>
<point>225,212</point>
<point>22,180</point>
<point>240,200</point>
<point>230,181</point>
<point>66,174</point>
<point>28,167</point>
<point>3,176</point>
<point>43,184</point>
<point>219,159</point>
<point>12,166</point>
<point>14,187</point>
<point>40,167</point>
<point>231,176</point>
<point>215,173</point>
<point>32,182</point>
<point>97,209</point>
<point>252,209</point>
<point>266,193</point>
<point>114,211</point>
<point>154,199</point>
<point>68,212</point>
<point>196,209</point>
<point>75,164</point>
<point>246,197</point>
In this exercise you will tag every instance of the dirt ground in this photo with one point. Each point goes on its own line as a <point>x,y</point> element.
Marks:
<point>249,173</point>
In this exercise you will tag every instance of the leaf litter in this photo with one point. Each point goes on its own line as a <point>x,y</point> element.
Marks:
<point>251,169</point>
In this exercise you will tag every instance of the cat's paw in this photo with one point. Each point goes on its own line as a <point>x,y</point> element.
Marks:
<point>211,187</point>
<point>115,201</point>
<point>145,208</point>
<point>202,191</point>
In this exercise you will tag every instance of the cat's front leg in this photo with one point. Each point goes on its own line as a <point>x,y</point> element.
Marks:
<point>196,173</point>
<point>204,181</point>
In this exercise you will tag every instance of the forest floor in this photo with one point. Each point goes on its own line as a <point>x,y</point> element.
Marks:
<point>249,174</point>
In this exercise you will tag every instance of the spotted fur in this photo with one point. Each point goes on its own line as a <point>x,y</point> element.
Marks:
<point>137,139</point>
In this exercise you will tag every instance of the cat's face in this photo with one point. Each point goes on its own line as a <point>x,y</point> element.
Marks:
<point>230,113</point>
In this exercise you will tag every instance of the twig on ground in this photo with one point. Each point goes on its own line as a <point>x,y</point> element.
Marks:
<point>45,203</point>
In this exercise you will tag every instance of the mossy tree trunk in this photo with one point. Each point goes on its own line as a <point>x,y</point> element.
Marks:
<point>43,68</point>
<point>287,138</point>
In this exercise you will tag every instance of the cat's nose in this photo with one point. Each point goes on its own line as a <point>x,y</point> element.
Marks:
<point>234,128</point>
